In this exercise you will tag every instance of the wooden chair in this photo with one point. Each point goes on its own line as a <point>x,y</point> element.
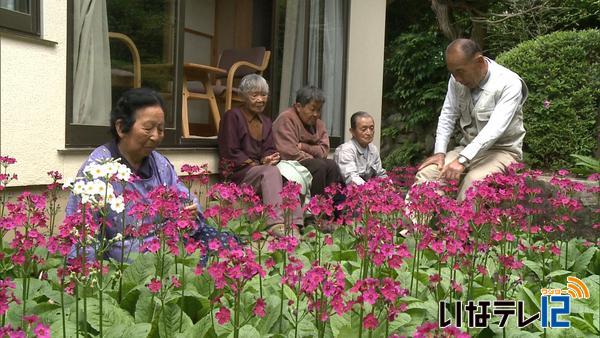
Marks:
<point>124,78</point>
<point>201,82</point>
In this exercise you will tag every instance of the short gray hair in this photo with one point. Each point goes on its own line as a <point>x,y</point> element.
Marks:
<point>254,83</point>
<point>309,93</point>
<point>356,116</point>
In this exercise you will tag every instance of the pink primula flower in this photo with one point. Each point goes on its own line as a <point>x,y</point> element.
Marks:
<point>154,285</point>
<point>223,316</point>
<point>259,308</point>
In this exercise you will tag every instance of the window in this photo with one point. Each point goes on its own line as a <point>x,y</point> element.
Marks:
<point>116,45</point>
<point>312,51</point>
<point>21,16</point>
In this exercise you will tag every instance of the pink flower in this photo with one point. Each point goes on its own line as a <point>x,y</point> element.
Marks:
<point>546,104</point>
<point>223,315</point>
<point>154,285</point>
<point>175,281</point>
<point>42,331</point>
<point>457,287</point>
<point>370,296</point>
<point>259,308</point>
<point>370,322</point>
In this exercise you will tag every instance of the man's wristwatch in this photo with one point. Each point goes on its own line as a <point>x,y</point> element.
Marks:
<point>463,160</point>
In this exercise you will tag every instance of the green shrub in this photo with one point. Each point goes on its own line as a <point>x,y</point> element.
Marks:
<point>562,72</point>
<point>415,84</point>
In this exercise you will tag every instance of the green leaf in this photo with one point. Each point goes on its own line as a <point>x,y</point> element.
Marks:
<point>111,314</point>
<point>289,293</point>
<point>535,301</point>
<point>145,308</point>
<point>583,325</point>
<point>265,324</point>
<point>247,331</point>
<point>338,323</point>
<point>168,321</point>
<point>138,272</point>
<point>429,305</point>
<point>56,329</point>
<point>49,313</point>
<point>401,320</point>
<point>140,330</point>
<point>198,330</point>
<point>535,267</point>
<point>582,261</point>
<point>558,273</point>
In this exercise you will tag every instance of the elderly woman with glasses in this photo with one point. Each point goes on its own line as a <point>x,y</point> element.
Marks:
<point>248,151</point>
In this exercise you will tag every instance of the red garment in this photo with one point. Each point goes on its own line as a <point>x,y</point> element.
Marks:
<point>289,131</point>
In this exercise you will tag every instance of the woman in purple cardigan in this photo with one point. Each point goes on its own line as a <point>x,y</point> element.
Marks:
<point>137,125</point>
<point>246,147</point>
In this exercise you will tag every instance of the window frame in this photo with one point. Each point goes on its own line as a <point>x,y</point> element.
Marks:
<point>23,23</point>
<point>83,136</point>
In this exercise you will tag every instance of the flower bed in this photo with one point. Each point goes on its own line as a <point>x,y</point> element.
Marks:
<point>362,280</point>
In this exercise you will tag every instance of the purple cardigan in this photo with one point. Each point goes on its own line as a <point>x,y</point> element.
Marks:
<point>155,170</point>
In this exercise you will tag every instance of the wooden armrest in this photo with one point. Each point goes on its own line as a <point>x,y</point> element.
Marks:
<point>135,56</point>
<point>196,72</point>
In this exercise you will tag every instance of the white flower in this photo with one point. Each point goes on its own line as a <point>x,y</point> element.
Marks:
<point>123,173</point>
<point>79,187</point>
<point>96,170</point>
<point>111,167</point>
<point>117,204</point>
<point>68,183</point>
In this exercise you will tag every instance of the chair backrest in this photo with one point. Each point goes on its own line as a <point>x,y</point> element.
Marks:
<point>229,57</point>
<point>135,56</point>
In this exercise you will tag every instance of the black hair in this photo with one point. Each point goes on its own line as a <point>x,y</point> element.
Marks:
<point>356,116</point>
<point>129,103</point>
<point>309,93</point>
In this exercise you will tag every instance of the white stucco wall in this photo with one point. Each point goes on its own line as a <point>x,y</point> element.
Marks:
<point>364,86</point>
<point>33,92</point>
<point>32,96</point>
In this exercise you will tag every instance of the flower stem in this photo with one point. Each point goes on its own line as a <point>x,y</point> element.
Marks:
<point>62,302</point>
<point>182,296</point>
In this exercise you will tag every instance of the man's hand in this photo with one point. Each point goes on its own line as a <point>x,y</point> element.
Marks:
<point>272,159</point>
<point>452,171</point>
<point>437,159</point>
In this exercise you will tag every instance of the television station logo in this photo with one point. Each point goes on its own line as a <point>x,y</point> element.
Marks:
<point>554,303</point>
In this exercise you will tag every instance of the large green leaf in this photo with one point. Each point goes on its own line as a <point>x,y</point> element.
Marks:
<point>198,330</point>
<point>169,321</point>
<point>247,331</point>
<point>338,323</point>
<point>37,288</point>
<point>401,320</point>
<point>582,261</point>
<point>265,323</point>
<point>535,267</point>
<point>140,330</point>
<point>56,329</point>
<point>112,314</point>
<point>138,272</point>
<point>48,313</point>
<point>583,325</point>
<point>558,273</point>
<point>146,308</point>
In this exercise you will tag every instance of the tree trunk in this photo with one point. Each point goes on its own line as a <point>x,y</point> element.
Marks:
<point>444,18</point>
